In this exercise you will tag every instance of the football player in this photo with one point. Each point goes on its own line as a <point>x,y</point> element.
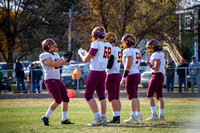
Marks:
<point>99,55</point>
<point>157,64</point>
<point>51,63</point>
<point>113,77</point>
<point>131,60</point>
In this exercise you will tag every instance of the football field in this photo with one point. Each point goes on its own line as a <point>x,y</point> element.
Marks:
<point>23,116</point>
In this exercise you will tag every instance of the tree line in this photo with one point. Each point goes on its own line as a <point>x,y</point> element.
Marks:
<point>24,24</point>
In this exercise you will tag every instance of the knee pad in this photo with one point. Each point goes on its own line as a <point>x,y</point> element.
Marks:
<point>102,98</point>
<point>89,98</point>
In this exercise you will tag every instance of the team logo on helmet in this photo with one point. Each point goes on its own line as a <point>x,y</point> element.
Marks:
<point>110,37</point>
<point>49,45</point>
<point>98,32</point>
<point>151,46</point>
<point>127,41</point>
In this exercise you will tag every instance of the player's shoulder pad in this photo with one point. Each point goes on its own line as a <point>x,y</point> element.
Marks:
<point>94,45</point>
<point>127,52</point>
<point>44,56</point>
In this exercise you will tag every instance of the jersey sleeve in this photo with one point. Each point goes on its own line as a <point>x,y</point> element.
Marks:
<point>44,56</point>
<point>94,45</point>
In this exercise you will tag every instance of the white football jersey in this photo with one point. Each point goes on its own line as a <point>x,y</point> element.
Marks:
<point>136,56</point>
<point>100,60</point>
<point>117,53</point>
<point>158,55</point>
<point>50,72</point>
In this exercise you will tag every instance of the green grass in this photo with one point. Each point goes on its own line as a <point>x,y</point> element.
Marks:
<point>23,115</point>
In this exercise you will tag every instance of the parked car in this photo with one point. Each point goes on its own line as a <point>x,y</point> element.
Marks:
<point>66,75</point>
<point>146,77</point>
<point>72,62</point>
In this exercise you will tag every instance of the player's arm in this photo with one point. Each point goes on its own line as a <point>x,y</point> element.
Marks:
<point>129,61</point>
<point>110,62</point>
<point>87,57</point>
<point>156,62</point>
<point>53,63</point>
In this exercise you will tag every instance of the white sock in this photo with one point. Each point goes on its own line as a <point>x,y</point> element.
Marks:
<point>96,114</point>
<point>104,115</point>
<point>48,113</point>
<point>64,115</point>
<point>153,109</point>
<point>138,113</point>
<point>115,113</point>
<point>161,111</point>
<point>133,113</point>
<point>118,113</point>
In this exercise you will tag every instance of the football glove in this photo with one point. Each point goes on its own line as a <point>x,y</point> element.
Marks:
<point>82,52</point>
<point>68,54</point>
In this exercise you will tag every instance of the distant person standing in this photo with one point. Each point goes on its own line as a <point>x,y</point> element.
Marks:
<point>35,77</point>
<point>19,70</point>
<point>170,71</point>
<point>193,69</point>
<point>181,73</point>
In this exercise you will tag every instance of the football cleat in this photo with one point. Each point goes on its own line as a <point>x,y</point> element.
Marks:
<point>132,119</point>
<point>161,117</point>
<point>96,122</point>
<point>154,117</point>
<point>139,117</point>
<point>103,120</point>
<point>45,120</point>
<point>66,122</point>
<point>116,120</point>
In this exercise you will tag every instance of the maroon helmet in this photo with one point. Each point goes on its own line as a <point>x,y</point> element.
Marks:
<point>127,41</point>
<point>49,45</point>
<point>98,32</point>
<point>152,46</point>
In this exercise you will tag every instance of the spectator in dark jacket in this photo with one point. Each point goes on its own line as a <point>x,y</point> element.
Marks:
<point>182,73</point>
<point>170,71</point>
<point>19,70</point>
<point>35,77</point>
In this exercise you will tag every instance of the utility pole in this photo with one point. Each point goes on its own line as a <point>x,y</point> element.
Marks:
<point>70,29</point>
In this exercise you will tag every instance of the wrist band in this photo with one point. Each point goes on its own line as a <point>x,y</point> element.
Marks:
<point>123,78</point>
<point>68,59</point>
<point>125,74</point>
<point>152,67</point>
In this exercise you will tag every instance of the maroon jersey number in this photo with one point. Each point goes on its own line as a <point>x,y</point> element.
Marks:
<point>138,57</point>
<point>119,57</point>
<point>107,52</point>
<point>56,67</point>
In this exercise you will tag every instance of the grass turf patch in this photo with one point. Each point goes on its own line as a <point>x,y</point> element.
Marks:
<point>23,115</point>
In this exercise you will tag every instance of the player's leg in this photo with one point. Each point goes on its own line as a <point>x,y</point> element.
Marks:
<point>53,88</point>
<point>100,90</point>
<point>159,96</point>
<point>131,89</point>
<point>65,100</point>
<point>153,85</point>
<point>91,85</point>
<point>111,94</point>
